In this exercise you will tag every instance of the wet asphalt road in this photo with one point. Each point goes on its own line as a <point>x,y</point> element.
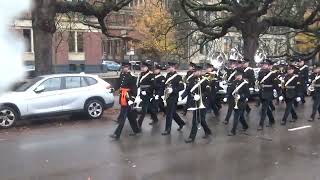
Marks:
<point>76,149</point>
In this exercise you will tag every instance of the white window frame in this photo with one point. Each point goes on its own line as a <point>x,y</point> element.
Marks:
<point>31,40</point>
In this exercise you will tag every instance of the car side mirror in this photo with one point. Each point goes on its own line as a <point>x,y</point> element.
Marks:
<point>39,89</point>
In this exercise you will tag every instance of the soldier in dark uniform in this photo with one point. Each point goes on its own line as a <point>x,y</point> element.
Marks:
<point>315,90</point>
<point>290,86</point>
<point>173,85</point>
<point>248,75</point>
<point>304,77</point>
<point>268,82</point>
<point>157,101</point>
<point>197,89</point>
<point>186,80</point>
<point>213,84</point>
<point>230,77</point>
<point>239,92</point>
<point>145,83</point>
<point>127,95</point>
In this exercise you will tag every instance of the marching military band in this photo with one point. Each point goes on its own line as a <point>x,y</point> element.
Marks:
<point>289,83</point>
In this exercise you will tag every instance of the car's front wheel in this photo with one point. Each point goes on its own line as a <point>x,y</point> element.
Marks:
<point>94,109</point>
<point>8,117</point>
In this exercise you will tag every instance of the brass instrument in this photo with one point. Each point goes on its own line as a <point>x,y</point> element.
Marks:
<point>236,99</point>
<point>199,104</point>
<point>257,85</point>
<point>311,87</point>
<point>225,76</point>
<point>166,94</point>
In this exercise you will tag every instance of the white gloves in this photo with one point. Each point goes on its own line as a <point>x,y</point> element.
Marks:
<point>130,102</point>
<point>156,97</point>
<point>281,98</point>
<point>275,93</point>
<point>251,89</point>
<point>143,93</point>
<point>225,100</point>
<point>170,90</point>
<point>238,96</point>
<point>256,90</point>
<point>196,97</point>
<point>298,99</point>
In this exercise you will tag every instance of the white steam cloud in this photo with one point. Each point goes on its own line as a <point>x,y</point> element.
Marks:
<point>11,48</point>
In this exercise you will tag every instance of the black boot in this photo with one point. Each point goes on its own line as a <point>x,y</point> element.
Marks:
<point>180,127</point>
<point>231,134</point>
<point>165,133</point>
<point>189,140</point>
<point>114,136</point>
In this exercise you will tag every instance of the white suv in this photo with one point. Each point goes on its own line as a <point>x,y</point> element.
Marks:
<point>56,94</point>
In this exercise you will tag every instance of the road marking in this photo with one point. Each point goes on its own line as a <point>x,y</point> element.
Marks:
<point>298,128</point>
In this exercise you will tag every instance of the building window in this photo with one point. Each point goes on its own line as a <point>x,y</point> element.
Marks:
<point>112,47</point>
<point>27,35</point>
<point>75,41</point>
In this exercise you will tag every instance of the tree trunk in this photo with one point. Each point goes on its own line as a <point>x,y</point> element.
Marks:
<point>43,24</point>
<point>250,46</point>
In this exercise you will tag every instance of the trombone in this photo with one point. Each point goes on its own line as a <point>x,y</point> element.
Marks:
<point>236,99</point>
<point>166,94</point>
<point>198,104</point>
<point>311,87</point>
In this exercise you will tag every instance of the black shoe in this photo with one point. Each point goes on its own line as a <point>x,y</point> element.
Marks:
<point>283,123</point>
<point>115,137</point>
<point>260,128</point>
<point>318,117</point>
<point>244,129</point>
<point>293,120</point>
<point>180,127</point>
<point>231,134</point>
<point>269,125</point>
<point>153,123</point>
<point>132,134</point>
<point>189,140</point>
<point>225,122</point>
<point>165,133</point>
<point>206,136</point>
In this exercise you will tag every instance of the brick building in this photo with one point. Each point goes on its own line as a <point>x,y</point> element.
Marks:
<point>78,47</point>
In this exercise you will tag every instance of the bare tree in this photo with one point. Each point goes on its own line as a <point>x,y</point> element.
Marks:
<point>251,18</point>
<point>43,23</point>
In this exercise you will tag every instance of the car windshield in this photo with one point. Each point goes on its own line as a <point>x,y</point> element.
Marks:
<point>27,84</point>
